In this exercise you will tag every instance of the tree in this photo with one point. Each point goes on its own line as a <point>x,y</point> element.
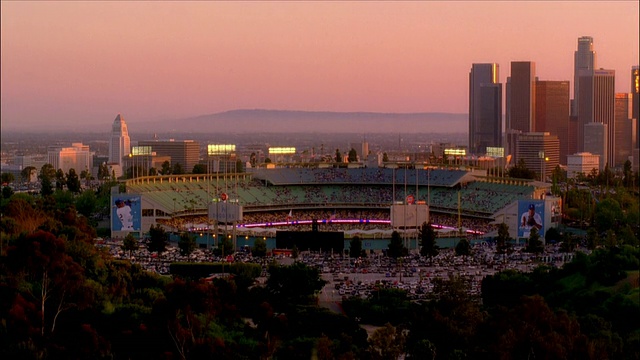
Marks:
<point>253,159</point>
<point>608,215</point>
<point>225,246</point>
<point>353,155</point>
<point>627,174</point>
<point>158,239</point>
<point>86,176</point>
<point>296,284</point>
<point>385,157</point>
<point>60,179</point>
<point>463,247</point>
<point>47,174</point>
<point>534,245</point>
<point>7,192</point>
<point>153,171</point>
<point>428,246</point>
<point>396,247</point>
<point>259,248</point>
<point>593,239</point>
<point>295,252</point>
<point>86,203</point>
<point>387,343</point>
<point>521,171</point>
<point>103,172</point>
<point>55,278</point>
<point>178,169</point>
<point>73,181</point>
<point>27,172</point>
<point>553,235</point>
<point>166,168</point>
<point>129,244</point>
<point>199,169</point>
<point>355,247</point>
<point>187,244</point>
<point>7,178</point>
<point>503,238</point>
<point>423,349</point>
<point>338,156</point>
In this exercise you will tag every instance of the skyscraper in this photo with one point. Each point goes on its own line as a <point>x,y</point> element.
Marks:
<point>635,101</point>
<point>625,129</point>
<point>485,105</point>
<point>596,141</point>
<point>521,96</point>
<point>597,104</point>
<point>552,112</point>
<point>584,64</point>
<point>120,144</point>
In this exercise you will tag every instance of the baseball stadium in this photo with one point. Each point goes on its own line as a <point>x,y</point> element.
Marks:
<point>368,202</point>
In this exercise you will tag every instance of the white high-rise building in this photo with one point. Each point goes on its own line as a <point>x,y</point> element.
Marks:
<point>77,157</point>
<point>120,144</point>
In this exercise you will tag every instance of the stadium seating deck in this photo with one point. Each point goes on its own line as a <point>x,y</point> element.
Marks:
<point>328,187</point>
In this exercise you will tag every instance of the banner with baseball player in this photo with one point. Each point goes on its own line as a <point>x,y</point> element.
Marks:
<point>531,215</point>
<point>126,212</point>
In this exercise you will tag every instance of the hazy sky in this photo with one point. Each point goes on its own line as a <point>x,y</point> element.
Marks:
<point>78,64</point>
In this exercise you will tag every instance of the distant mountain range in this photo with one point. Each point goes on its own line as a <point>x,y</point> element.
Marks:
<point>265,121</point>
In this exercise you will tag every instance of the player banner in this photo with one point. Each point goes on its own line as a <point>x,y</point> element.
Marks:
<point>531,215</point>
<point>126,212</point>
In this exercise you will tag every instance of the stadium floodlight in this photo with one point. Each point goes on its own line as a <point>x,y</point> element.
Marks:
<point>495,151</point>
<point>282,150</point>
<point>140,150</point>
<point>455,152</point>
<point>220,149</point>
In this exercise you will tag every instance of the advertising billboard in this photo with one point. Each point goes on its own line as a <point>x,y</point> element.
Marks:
<point>531,215</point>
<point>126,212</point>
<point>409,216</point>
<point>225,212</point>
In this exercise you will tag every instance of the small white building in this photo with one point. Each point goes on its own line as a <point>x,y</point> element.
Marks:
<point>583,162</point>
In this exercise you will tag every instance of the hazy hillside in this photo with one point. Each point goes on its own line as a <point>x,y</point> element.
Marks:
<point>253,121</point>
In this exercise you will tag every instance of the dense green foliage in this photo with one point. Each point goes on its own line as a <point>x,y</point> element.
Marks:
<point>428,246</point>
<point>355,247</point>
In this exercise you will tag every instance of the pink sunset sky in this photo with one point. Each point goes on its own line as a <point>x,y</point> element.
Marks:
<point>76,65</point>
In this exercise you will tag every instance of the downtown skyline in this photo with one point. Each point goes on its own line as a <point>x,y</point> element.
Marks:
<point>65,64</point>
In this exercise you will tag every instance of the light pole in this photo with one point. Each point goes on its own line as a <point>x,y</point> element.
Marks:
<point>543,165</point>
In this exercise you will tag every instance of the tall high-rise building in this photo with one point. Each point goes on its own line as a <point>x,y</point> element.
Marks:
<point>597,104</point>
<point>120,144</point>
<point>625,129</point>
<point>540,151</point>
<point>584,64</point>
<point>552,112</point>
<point>596,141</point>
<point>635,101</point>
<point>485,108</point>
<point>521,97</point>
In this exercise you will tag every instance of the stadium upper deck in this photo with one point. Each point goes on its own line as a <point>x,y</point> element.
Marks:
<point>280,189</point>
<point>368,176</point>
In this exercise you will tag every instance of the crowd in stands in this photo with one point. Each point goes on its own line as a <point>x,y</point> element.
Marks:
<point>325,217</point>
<point>379,176</point>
